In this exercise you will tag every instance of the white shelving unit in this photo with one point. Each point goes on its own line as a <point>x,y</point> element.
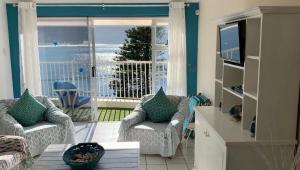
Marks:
<point>270,79</point>
<point>270,66</point>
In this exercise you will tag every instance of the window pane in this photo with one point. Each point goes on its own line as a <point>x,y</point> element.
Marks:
<point>123,53</point>
<point>161,63</point>
<point>162,55</point>
<point>64,56</point>
<point>162,35</point>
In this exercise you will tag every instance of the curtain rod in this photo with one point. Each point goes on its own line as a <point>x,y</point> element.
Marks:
<point>101,5</point>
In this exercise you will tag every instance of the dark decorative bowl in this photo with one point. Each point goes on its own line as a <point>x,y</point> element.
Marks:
<point>84,156</point>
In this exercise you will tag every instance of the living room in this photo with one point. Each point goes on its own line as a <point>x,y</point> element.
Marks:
<point>150,84</point>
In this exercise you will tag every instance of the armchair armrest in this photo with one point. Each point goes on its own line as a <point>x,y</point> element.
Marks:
<point>9,126</point>
<point>138,115</point>
<point>54,114</point>
<point>12,143</point>
<point>177,120</point>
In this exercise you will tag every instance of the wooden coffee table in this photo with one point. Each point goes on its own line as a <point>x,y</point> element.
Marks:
<point>118,156</point>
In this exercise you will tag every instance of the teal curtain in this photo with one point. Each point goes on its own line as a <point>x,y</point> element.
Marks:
<point>191,22</point>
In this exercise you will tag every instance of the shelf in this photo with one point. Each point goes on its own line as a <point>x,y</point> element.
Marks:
<point>253,57</point>
<point>218,94</point>
<point>233,92</point>
<point>232,76</point>
<point>219,68</point>
<point>230,98</point>
<point>219,81</point>
<point>253,36</point>
<point>251,77</point>
<point>234,66</point>
<point>253,95</point>
<point>249,111</point>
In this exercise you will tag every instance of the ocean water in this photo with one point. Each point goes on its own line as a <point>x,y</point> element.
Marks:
<point>72,63</point>
<point>80,52</point>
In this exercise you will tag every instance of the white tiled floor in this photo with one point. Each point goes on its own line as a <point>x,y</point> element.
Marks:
<point>108,132</point>
<point>179,162</point>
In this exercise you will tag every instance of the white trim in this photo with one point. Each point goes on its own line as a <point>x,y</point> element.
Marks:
<point>101,5</point>
<point>81,21</point>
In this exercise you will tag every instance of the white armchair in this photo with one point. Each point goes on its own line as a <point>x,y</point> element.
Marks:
<point>56,127</point>
<point>155,138</point>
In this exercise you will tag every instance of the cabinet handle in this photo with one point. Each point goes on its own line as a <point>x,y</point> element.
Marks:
<point>206,133</point>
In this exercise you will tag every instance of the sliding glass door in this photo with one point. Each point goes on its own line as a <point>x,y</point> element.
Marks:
<point>66,62</point>
<point>104,59</point>
<point>131,56</point>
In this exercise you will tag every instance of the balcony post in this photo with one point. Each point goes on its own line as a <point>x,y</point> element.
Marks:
<point>73,76</point>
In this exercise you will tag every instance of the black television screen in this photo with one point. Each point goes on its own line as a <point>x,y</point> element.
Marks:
<point>232,42</point>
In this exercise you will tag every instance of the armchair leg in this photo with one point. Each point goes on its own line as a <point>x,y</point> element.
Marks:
<point>72,112</point>
<point>188,135</point>
<point>75,112</point>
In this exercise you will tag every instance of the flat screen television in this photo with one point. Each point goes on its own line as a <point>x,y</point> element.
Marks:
<point>232,42</point>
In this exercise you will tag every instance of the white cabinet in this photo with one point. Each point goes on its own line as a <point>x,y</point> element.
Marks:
<point>214,154</point>
<point>221,144</point>
<point>211,152</point>
<point>270,80</point>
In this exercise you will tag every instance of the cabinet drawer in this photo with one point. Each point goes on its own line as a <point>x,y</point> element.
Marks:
<point>205,130</point>
<point>210,153</point>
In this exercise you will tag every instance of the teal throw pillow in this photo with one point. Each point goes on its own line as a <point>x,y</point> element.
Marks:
<point>27,110</point>
<point>159,108</point>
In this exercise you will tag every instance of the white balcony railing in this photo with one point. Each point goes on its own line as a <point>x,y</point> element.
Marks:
<point>114,79</point>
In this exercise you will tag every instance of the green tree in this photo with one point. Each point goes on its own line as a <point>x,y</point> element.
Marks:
<point>133,80</point>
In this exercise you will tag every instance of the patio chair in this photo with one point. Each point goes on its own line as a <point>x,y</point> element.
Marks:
<point>69,96</point>
<point>155,138</point>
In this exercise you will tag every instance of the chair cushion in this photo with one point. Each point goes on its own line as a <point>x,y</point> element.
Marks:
<point>159,108</point>
<point>27,110</point>
<point>83,100</point>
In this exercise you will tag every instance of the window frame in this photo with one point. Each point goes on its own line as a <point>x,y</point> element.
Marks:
<point>157,47</point>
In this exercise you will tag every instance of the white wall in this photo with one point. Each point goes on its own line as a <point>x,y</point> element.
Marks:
<point>5,67</point>
<point>210,10</point>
